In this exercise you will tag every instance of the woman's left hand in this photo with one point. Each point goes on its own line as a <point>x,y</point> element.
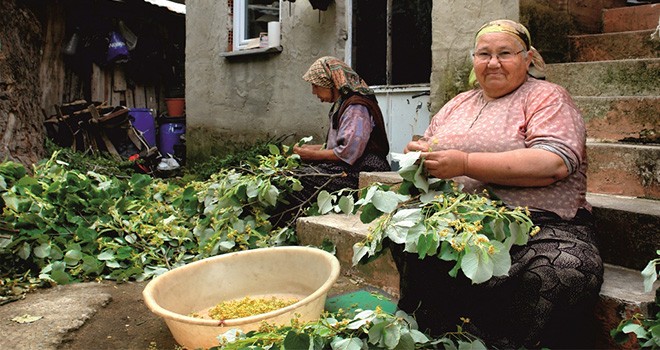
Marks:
<point>445,164</point>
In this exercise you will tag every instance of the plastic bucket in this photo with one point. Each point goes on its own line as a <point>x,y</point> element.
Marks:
<point>170,130</point>
<point>175,106</point>
<point>143,121</point>
<point>304,273</point>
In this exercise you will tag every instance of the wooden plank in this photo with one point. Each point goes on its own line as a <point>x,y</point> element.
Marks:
<point>115,98</point>
<point>152,98</point>
<point>107,93</point>
<point>97,83</point>
<point>118,79</point>
<point>130,101</point>
<point>140,97</point>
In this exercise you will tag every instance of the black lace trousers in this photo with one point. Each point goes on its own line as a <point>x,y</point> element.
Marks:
<point>546,300</point>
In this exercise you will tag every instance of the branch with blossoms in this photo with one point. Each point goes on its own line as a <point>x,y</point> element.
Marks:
<point>433,217</point>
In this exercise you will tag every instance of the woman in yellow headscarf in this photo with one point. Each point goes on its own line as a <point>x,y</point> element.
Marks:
<point>523,139</point>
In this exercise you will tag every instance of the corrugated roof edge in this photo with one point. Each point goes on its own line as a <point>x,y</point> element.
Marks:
<point>170,5</point>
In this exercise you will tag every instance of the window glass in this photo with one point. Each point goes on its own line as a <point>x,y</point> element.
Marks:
<point>410,41</point>
<point>251,18</point>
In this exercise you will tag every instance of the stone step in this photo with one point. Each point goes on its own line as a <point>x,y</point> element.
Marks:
<point>623,118</point>
<point>628,229</point>
<point>622,293</point>
<point>629,18</point>
<point>614,46</point>
<point>624,169</point>
<point>344,231</point>
<point>635,77</point>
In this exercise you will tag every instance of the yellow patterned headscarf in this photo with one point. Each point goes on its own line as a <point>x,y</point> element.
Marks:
<point>518,31</point>
<point>329,72</point>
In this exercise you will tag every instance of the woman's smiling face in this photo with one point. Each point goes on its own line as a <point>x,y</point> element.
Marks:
<point>499,77</point>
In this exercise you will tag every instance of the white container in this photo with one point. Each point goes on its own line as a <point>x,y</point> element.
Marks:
<point>273,34</point>
<point>302,272</point>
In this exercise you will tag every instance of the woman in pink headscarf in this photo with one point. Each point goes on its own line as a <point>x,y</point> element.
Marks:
<point>523,139</point>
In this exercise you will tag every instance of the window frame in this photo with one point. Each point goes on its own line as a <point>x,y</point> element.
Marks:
<point>239,25</point>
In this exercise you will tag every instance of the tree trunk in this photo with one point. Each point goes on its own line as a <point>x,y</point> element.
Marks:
<point>22,132</point>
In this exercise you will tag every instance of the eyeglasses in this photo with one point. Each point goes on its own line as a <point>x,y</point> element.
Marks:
<point>504,56</point>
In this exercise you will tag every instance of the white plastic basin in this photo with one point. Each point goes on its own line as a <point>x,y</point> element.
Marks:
<point>304,273</point>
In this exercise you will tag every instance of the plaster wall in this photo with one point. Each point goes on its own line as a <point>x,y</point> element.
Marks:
<point>455,23</point>
<point>253,97</point>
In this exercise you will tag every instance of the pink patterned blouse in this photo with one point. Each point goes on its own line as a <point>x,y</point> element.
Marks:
<point>539,114</point>
<point>350,140</point>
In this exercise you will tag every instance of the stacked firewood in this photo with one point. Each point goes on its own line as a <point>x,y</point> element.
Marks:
<point>98,127</point>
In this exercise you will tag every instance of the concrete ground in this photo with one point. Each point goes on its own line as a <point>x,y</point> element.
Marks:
<point>97,316</point>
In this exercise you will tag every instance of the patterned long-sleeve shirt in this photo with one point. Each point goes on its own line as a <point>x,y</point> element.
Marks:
<point>538,114</point>
<point>350,139</point>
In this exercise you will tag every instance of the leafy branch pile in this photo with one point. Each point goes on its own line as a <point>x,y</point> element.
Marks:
<point>62,225</point>
<point>646,330</point>
<point>368,329</point>
<point>432,217</point>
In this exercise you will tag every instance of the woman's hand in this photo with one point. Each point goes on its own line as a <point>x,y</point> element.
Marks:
<point>315,153</point>
<point>527,167</point>
<point>419,145</point>
<point>445,164</point>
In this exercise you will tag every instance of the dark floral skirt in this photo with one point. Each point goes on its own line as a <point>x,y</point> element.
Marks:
<point>546,300</point>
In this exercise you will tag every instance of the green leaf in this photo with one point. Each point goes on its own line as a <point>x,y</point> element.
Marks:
<point>637,329</point>
<point>294,340</point>
<point>421,180</point>
<point>477,265</point>
<point>339,343</point>
<point>501,259</point>
<point>427,244</point>
<point>346,204</point>
<point>471,345</point>
<point>324,201</point>
<point>58,273</point>
<point>369,213</point>
<point>650,275</point>
<point>273,149</point>
<point>519,235</point>
<point>42,251</point>
<point>24,251</point>
<point>106,255</point>
<point>359,251</point>
<point>386,201</point>
<point>72,257</point>
<point>406,159</point>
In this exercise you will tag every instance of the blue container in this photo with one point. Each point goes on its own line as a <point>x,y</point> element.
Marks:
<point>143,120</point>
<point>170,131</point>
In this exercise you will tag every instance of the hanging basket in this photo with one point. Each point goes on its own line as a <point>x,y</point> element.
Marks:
<point>320,4</point>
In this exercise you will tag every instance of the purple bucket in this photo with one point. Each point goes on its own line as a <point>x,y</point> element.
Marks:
<point>170,131</point>
<point>143,121</point>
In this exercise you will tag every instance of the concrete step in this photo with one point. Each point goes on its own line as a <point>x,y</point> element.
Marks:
<point>622,293</point>
<point>624,118</point>
<point>628,229</point>
<point>624,169</point>
<point>635,77</point>
<point>623,19</point>
<point>614,46</point>
<point>588,16</point>
<point>344,231</point>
